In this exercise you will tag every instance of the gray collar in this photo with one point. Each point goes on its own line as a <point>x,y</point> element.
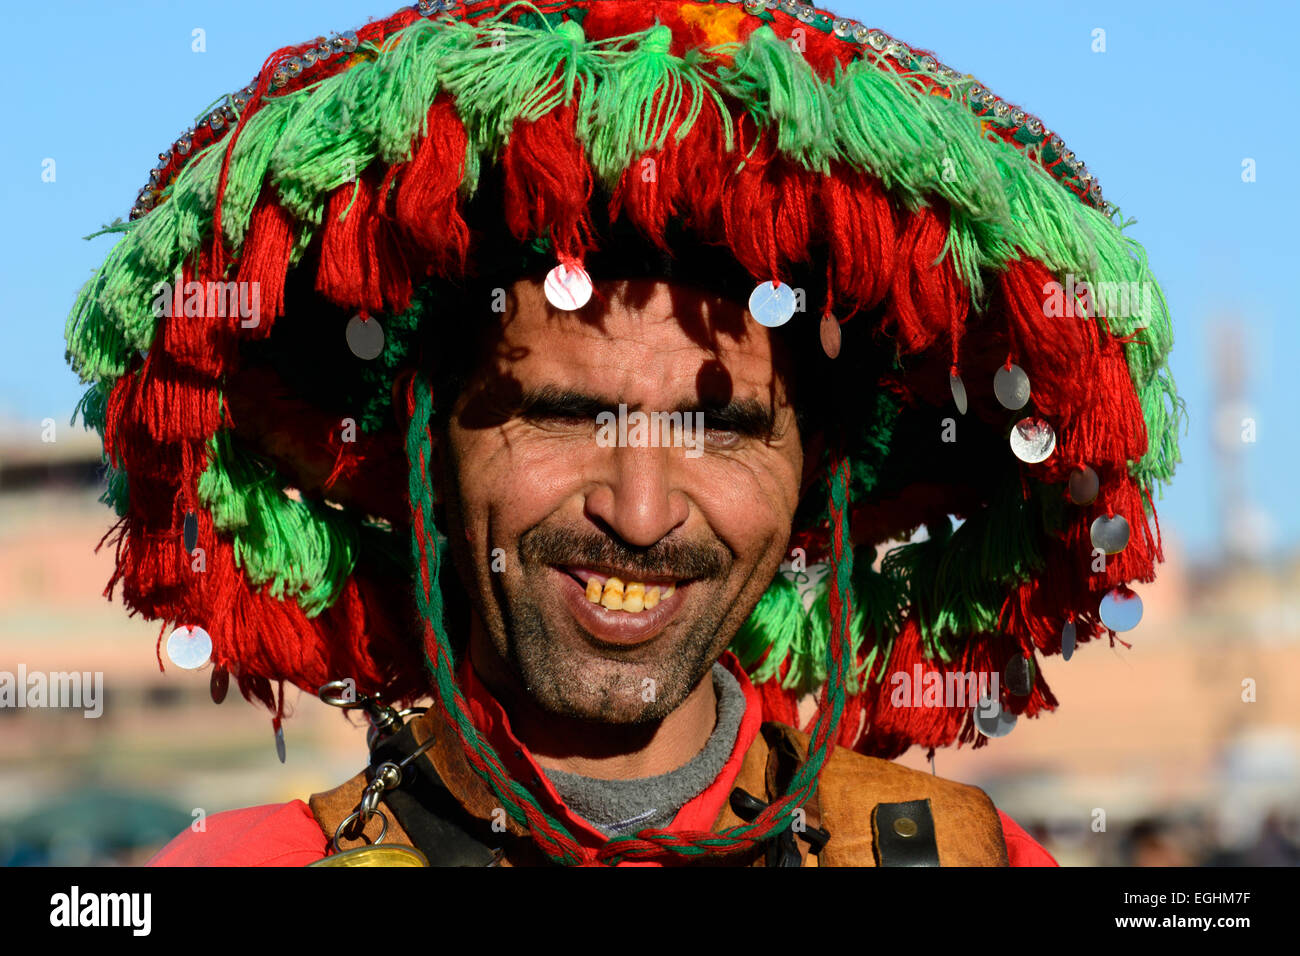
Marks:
<point>626,806</point>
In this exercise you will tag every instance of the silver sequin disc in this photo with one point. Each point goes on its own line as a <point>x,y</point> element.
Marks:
<point>1011,386</point>
<point>1120,610</point>
<point>1109,534</point>
<point>958,392</point>
<point>568,289</point>
<point>1084,485</point>
<point>1019,675</point>
<point>1067,640</point>
<point>365,337</point>
<point>1032,440</point>
<point>189,647</point>
<point>279,740</point>
<point>991,720</point>
<point>772,305</point>
<point>191,531</point>
<point>830,335</point>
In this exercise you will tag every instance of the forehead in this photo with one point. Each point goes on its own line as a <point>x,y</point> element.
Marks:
<point>642,340</point>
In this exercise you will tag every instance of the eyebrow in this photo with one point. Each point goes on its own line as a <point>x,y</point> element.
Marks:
<point>745,416</point>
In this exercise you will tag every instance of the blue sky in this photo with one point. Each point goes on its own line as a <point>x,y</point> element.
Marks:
<point>1183,93</point>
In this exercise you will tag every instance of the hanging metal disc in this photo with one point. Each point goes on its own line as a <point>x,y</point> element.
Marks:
<point>279,739</point>
<point>365,337</point>
<point>191,531</point>
<point>772,305</point>
<point>1032,440</point>
<point>1011,386</point>
<point>568,288</point>
<point>1019,675</point>
<point>831,335</point>
<point>219,685</point>
<point>958,392</point>
<point>1084,485</point>
<point>1120,609</point>
<point>1067,640</point>
<point>1110,533</point>
<point>991,720</point>
<point>189,647</point>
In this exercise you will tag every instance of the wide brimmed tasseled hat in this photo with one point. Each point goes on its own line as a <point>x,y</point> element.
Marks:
<point>953,253</point>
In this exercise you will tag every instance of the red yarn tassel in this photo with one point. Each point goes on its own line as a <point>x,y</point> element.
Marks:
<point>348,269</point>
<point>684,179</point>
<point>899,712</point>
<point>926,296</point>
<point>548,184</point>
<point>201,331</point>
<point>860,237</point>
<point>265,261</point>
<point>1058,352</point>
<point>769,212</point>
<point>1110,430</point>
<point>427,206</point>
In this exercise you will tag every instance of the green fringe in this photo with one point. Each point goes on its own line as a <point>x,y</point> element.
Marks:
<point>304,551</point>
<point>117,494</point>
<point>511,75</point>
<point>779,629</point>
<point>777,86</point>
<point>635,107</point>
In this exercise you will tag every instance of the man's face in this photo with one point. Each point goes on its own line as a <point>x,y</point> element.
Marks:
<point>529,470</point>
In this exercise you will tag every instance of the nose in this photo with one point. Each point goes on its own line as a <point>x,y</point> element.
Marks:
<point>637,496</point>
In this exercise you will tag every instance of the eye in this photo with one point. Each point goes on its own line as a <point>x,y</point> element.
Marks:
<point>721,437</point>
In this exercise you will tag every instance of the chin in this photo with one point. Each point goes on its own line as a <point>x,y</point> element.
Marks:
<point>604,691</point>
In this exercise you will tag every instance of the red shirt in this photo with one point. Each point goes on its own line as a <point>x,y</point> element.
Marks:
<point>287,834</point>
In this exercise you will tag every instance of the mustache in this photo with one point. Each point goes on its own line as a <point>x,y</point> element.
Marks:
<point>664,559</point>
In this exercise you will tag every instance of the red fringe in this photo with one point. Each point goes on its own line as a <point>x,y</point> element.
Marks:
<point>162,402</point>
<point>548,184</point>
<point>272,639</point>
<point>769,212</point>
<point>205,342</point>
<point>860,234</point>
<point>348,273</point>
<point>1058,353</point>
<point>427,207</point>
<point>1110,430</point>
<point>684,179</point>
<point>927,299</point>
<point>265,260</point>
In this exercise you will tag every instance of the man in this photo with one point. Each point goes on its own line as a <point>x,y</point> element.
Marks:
<point>623,439</point>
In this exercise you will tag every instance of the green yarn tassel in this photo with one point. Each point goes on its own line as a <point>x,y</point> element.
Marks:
<point>636,106</point>
<point>304,551</point>
<point>517,73</point>
<point>778,87</point>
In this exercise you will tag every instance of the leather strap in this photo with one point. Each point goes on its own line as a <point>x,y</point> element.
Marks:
<point>433,819</point>
<point>904,834</point>
<point>800,842</point>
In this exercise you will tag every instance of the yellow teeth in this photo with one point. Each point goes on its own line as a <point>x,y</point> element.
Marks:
<point>633,596</point>
<point>612,599</point>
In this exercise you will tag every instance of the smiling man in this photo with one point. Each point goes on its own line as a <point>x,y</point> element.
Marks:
<point>603,345</point>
